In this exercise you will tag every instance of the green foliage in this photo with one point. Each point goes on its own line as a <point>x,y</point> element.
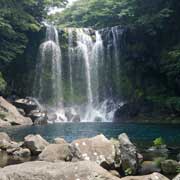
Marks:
<point>128,172</point>
<point>178,169</point>
<point>98,14</point>
<point>158,142</point>
<point>159,160</point>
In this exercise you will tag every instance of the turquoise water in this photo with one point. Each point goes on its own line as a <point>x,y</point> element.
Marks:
<point>141,134</point>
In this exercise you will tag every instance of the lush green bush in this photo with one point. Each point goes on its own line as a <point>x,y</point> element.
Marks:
<point>158,142</point>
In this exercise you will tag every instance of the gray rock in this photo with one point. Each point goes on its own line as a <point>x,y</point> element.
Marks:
<point>4,136</point>
<point>128,154</point>
<point>169,166</point>
<point>76,118</point>
<point>22,152</point>
<point>177,177</point>
<point>6,143</point>
<point>72,115</point>
<point>178,157</point>
<point>98,149</point>
<point>161,151</point>
<point>38,117</point>
<point>59,141</point>
<point>83,170</point>
<point>26,104</point>
<point>35,143</point>
<point>149,167</point>
<point>11,115</point>
<point>59,152</point>
<point>154,176</point>
<point>4,123</point>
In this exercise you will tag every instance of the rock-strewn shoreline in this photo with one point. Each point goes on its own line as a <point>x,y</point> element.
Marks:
<point>96,158</point>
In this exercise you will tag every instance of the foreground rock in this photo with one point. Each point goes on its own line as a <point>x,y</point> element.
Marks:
<point>128,154</point>
<point>84,170</point>
<point>10,115</point>
<point>177,177</point>
<point>169,166</point>
<point>154,176</point>
<point>35,143</point>
<point>98,149</point>
<point>61,152</point>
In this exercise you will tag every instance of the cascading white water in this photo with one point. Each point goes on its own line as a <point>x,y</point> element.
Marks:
<point>86,68</point>
<point>85,45</point>
<point>48,77</point>
<point>71,59</point>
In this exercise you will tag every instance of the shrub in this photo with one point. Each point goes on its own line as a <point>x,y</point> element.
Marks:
<point>158,142</point>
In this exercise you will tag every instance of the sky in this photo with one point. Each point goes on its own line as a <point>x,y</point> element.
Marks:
<point>55,10</point>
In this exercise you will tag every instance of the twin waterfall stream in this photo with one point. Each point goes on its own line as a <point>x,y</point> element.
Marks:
<point>85,63</point>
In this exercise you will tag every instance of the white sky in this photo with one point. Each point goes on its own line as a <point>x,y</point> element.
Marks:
<point>55,10</point>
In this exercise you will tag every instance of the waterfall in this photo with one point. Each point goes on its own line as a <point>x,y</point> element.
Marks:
<point>85,74</point>
<point>48,77</point>
<point>71,55</point>
<point>85,45</point>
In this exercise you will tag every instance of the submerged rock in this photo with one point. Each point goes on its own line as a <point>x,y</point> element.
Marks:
<point>35,143</point>
<point>148,167</point>
<point>83,170</point>
<point>154,176</point>
<point>160,151</point>
<point>11,115</point>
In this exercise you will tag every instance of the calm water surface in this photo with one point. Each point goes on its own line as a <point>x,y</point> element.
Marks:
<point>141,134</point>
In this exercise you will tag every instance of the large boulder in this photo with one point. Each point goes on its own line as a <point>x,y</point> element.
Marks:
<point>61,152</point>
<point>27,104</point>
<point>35,143</point>
<point>128,154</point>
<point>84,170</point>
<point>169,166</point>
<point>11,115</point>
<point>98,149</point>
<point>154,176</point>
